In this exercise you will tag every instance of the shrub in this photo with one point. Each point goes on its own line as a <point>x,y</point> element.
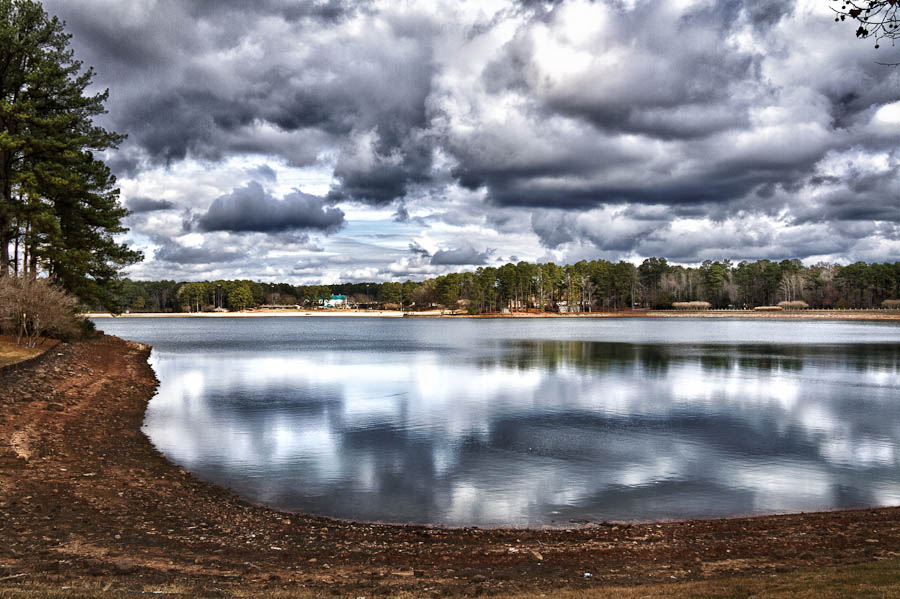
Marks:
<point>892,304</point>
<point>691,305</point>
<point>34,308</point>
<point>793,305</point>
<point>87,329</point>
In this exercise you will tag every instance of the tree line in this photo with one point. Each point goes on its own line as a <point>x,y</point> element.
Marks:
<point>595,285</point>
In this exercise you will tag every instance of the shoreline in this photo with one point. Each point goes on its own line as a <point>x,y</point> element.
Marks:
<point>885,315</point>
<point>254,314</point>
<point>80,501</point>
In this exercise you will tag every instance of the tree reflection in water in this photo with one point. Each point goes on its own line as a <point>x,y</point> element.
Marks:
<point>440,423</point>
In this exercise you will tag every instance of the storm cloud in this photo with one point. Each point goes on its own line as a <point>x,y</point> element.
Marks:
<point>195,255</point>
<point>465,255</point>
<point>549,130</point>
<point>251,208</point>
<point>461,256</point>
<point>140,205</point>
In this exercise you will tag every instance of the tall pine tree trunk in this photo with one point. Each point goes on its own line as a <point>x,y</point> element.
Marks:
<point>5,216</point>
<point>16,255</point>
<point>4,242</point>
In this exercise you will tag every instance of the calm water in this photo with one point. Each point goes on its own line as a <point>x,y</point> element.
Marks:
<point>529,422</point>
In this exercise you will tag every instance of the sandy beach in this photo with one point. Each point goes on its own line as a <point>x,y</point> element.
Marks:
<point>744,314</point>
<point>264,313</point>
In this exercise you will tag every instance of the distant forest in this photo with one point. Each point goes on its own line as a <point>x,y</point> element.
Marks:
<point>594,285</point>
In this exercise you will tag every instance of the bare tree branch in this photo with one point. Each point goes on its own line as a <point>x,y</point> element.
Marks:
<point>877,19</point>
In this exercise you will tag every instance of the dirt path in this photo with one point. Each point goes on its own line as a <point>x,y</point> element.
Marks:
<point>83,494</point>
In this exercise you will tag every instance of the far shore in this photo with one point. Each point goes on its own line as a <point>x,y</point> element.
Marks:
<point>743,314</point>
<point>261,313</point>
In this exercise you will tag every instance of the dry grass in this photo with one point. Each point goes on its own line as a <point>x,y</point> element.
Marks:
<point>879,580</point>
<point>794,305</point>
<point>10,353</point>
<point>691,305</point>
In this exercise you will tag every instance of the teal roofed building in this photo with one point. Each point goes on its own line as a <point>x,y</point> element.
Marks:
<point>336,301</point>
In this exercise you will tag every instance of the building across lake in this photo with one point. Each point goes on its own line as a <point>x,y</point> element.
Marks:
<point>336,301</point>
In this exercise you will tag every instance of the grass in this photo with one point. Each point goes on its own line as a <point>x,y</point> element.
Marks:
<point>879,580</point>
<point>10,353</point>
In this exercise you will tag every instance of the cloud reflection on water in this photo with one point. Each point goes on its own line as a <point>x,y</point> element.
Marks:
<point>526,432</point>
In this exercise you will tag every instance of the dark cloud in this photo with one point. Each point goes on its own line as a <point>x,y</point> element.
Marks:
<point>588,126</point>
<point>324,11</point>
<point>316,265</point>
<point>418,250</point>
<point>372,96</point>
<point>191,255</point>
<point>466,255</point>
<point>606,232</point>
<point>401,215</point>
<point>124,162</point>
<point>382,171</point>
<point>187,84</point>
<point>251,208</point>
<point>263,172</point>
<point>691,101</point>
<point>858,196</point>
<point>667,91</point>
<point>553,229</point>
<point>142,204</point>
<point>685,95</point>
<point>728,14</point>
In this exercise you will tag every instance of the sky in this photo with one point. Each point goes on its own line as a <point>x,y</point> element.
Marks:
<point>331,141</point>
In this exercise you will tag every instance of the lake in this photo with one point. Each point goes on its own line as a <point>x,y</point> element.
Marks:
<point>529,422</point>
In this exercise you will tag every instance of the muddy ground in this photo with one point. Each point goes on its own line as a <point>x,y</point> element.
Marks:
<point>84,495</point>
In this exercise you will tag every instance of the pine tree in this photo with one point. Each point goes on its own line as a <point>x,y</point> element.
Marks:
<point>58,203</point>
